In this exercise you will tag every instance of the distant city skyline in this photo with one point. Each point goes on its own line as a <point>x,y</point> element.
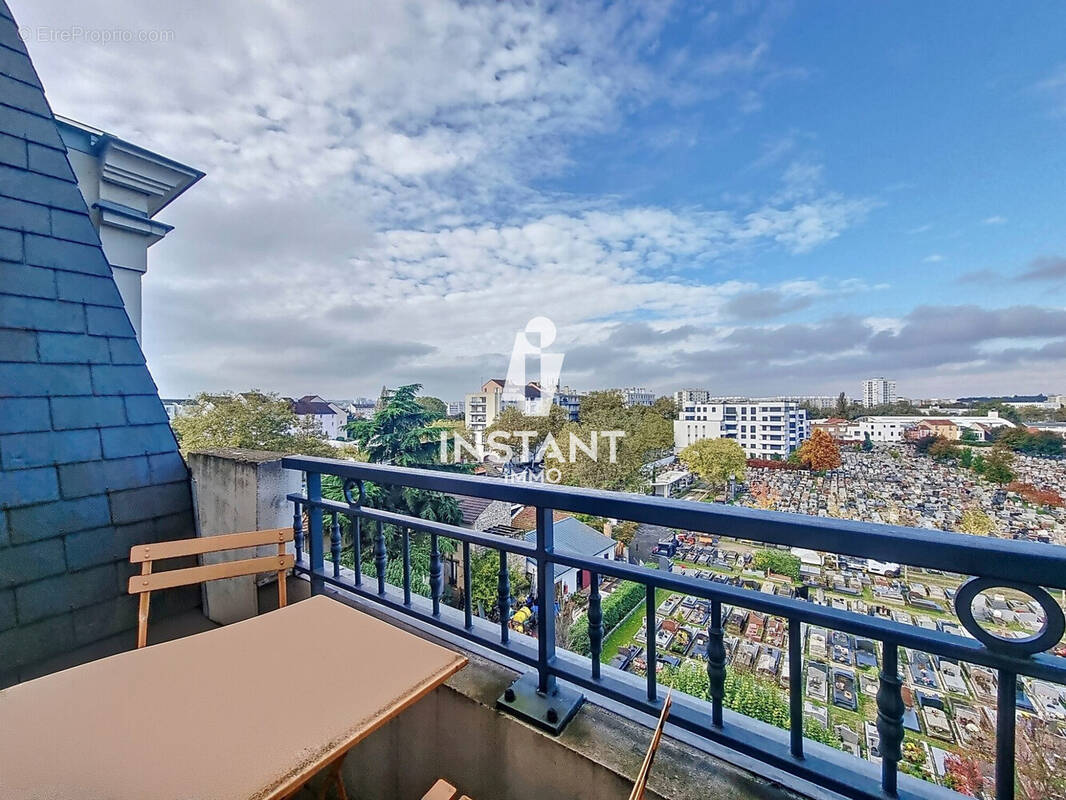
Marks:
<point>764,198</point>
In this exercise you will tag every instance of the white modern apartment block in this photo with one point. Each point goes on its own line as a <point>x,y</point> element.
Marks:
<point>688,397</point>
<point>765,428</point>
<point>634,396</point>
<point>124,186</point>
<point>878,392</point>
<point>330,417</point>
<point>456,408</point>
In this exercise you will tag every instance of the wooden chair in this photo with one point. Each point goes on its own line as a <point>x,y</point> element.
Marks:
<point>148,582</point>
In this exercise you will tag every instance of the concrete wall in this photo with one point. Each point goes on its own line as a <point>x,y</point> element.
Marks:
<point>457,734</point>
<point>88,464</point>
<point>239,490</point>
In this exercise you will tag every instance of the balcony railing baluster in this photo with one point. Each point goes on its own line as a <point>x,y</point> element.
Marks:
<point>651,658</point>
<point>314,530</point>
<point>381,558</point>
<point>335,543</point>
<point>468,601</point>
<point>298,530</point>
<point>1021,566</point>
<point>595,624</point>
<point>545,599</point>
<point>890,710</point>
<point>406,543</point>
<point>436,573</point>
<point>716,663</point>
<point>503,591</point>
<point>795,687</point>
<point>357,549</point>
<point>1007,698</point>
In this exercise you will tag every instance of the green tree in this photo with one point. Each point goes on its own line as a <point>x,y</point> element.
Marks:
<point>1039,443</point>
<point>484,582</point>
<point>841,409</point>
<point>255,420</point>
<point>978,464</point>
<point>665,407</point>
<point>647,436</point>
<point>943,450</point>
<point>434,406</point>
<point>966,458</point>
<point>867,443</point>
<point>921,446</point>
<point>998,466</point>
<point>400,433</point>
<point>715,460</point>
<point>511,420</point>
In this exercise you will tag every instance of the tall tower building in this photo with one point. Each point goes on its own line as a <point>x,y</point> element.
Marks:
<point>878,392</point>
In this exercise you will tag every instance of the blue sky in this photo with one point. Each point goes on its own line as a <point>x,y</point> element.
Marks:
<point>752,197</point>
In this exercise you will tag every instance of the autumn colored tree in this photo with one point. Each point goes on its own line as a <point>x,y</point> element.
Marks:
<point>964,775</point>
<point>820,452</point>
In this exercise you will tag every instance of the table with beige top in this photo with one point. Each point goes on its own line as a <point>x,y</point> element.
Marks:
<point>249,710</point>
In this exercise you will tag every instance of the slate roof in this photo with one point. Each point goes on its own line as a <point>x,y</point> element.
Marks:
<point>88,463</point>
<point>574,536</point>
<point>312,404</point>
<point>472,507</point>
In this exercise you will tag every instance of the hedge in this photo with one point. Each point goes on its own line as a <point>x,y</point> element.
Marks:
<point>615,608</point>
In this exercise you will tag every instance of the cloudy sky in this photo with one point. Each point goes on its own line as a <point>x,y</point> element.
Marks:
<point>751,197</point>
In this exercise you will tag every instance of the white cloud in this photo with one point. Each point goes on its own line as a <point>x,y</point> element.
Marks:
<point>994,220</point>
<point>372,210</point>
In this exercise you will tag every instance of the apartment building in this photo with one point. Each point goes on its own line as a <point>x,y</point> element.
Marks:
<point>482,408</point>
<point>637,396</point>
<point>823,402</point>
<point>456,408</point>
<point>688,397</point>
<point>569,400</point>
<point>763,428</point>
<point>878,392</point>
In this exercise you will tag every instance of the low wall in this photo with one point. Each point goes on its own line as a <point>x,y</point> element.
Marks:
<point>457,734</point>
<point>238,490</point>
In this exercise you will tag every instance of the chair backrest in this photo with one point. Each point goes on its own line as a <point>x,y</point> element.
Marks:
<point>148,582</point>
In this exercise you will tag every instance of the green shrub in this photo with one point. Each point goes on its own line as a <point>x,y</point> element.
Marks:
<point>780,561</point>
<point>615,608</point>
<point>746,694</point>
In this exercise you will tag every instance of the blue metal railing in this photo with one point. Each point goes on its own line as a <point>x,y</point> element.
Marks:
<point>1023,566</point>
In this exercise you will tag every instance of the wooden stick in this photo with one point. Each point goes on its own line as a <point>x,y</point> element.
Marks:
<point>645,769</point>
<point>142,608</point>
<point>283,595</point>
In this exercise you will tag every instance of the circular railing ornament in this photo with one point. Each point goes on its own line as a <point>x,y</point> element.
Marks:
<point>1045,639</point>
<point>349,484</point>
